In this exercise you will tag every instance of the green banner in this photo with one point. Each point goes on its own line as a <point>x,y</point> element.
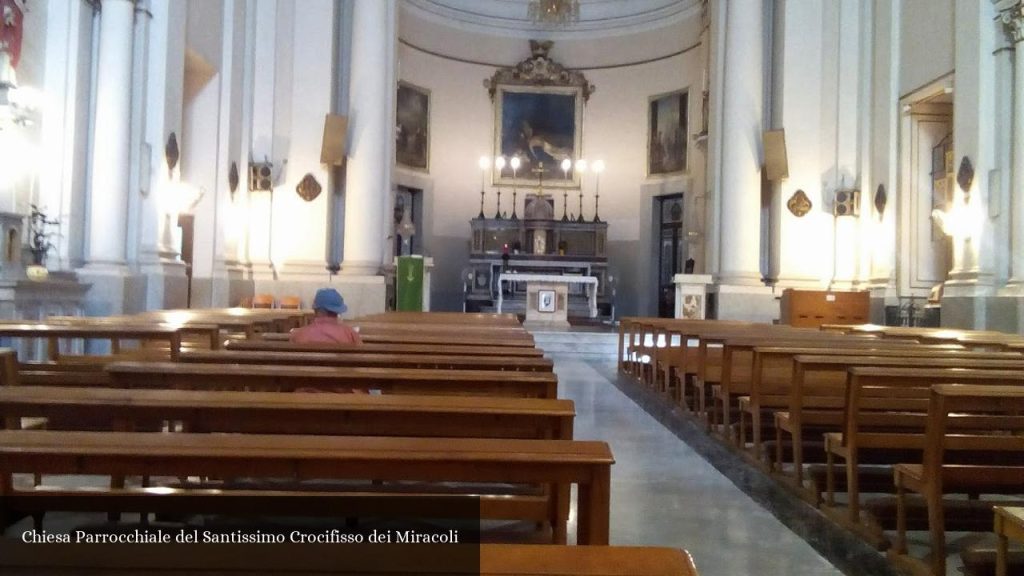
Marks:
<point>409,284</point>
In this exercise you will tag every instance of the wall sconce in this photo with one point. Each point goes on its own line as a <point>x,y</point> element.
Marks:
<point>171,152</point>
<point>233,179</point>
<point>308,188</point>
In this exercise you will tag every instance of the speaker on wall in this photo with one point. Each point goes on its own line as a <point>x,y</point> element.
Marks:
<point>332,151</point>
<point>847,203</point>
<point>776,164</point>
<point>260,179</point>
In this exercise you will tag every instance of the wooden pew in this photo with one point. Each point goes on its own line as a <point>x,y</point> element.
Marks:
<point>505,330</point>
<point>256,377</point>
<point>385,348</point>
<point>17,559</point>
<point>470,318</point>
<point>421,361</point>
<point>772,370</point>
<point>308,414</point>
<point>742,368</point>
<point>171,335</point>
<point>586,464</point>
<point>936,477</point>
<point>884,419</point>
<point>291,413</point>
<point>818,401</point>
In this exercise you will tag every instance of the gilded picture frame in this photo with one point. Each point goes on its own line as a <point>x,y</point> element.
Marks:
<point>541,125</point>
<point>667,133</point>
<point>412,127</point>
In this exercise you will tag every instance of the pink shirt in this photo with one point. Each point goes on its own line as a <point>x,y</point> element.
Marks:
<point>325,330</point>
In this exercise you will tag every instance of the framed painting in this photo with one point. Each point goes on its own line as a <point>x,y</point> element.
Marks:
<point>667,133</point>
<point>412,129</point>
<point>542,126</point>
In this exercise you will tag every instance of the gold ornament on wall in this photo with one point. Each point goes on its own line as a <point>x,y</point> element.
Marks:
<point>308,188</point>
<point>799,204</point>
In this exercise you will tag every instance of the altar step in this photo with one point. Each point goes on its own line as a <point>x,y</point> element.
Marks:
<point>587,345</point>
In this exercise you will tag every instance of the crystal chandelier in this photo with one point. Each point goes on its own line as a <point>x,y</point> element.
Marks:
<point>554,12</point>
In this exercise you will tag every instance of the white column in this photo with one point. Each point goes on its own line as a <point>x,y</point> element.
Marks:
<point>1013,19</point>
<point>371,99</point>
<point>742,116</point>
<point>110,146</point>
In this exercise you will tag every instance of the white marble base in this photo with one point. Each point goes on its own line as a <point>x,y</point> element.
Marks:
<point>558,316</point>
<point>749,303</point>
<point>691,295</point>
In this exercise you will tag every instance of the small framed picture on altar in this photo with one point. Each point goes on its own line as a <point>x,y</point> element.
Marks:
<point>546,301</point>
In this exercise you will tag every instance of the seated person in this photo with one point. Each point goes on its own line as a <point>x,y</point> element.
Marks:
<point>326,327</point>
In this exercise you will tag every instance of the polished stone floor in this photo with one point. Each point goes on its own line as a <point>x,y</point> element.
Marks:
<point>665,494</point>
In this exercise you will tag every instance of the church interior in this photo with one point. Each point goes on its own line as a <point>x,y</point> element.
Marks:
<point>582,287</point>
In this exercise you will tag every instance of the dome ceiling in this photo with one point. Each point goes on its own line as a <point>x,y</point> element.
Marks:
<point>511,18</point>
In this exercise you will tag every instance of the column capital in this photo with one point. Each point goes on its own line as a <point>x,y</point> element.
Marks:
<point>1011,14</point>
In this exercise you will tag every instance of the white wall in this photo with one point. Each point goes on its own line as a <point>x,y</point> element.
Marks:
<point>926,41</point>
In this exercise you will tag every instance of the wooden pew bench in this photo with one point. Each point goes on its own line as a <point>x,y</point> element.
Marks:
<point>319,559</point>
<point>420,361</point>
<point>504,461</point>
<point>303,413</point>
<point>884,423</point>
<point>384,348</point>
<point>292,413</point>
<point>753,363</point>
<point>816,401</point>
<point>269,378</point>
<point>53,333</point>
<point>468,318</point>
<point>772,373</point>
<point>962,462</point>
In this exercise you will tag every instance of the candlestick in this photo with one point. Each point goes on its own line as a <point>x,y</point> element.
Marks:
<point>484,164</point>
<point>499,164</point>
<point>514,163</point>
<point>598,168</point>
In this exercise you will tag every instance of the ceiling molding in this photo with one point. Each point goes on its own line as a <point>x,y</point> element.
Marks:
<point>597,17</point>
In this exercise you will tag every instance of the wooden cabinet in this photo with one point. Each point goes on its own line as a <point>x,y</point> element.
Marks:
<point>812,308</point>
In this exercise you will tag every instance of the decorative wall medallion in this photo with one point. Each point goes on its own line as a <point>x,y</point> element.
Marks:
<point>880,199</point>
<point>308,188</point>
<point>171,152</point>
<point>233,178</point>
<point>799,204</point>
<point>965,175</point>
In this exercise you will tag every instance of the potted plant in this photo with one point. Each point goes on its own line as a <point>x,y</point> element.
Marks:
<point>40,233</point>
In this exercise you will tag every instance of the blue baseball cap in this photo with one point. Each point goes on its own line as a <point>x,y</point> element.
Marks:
<point>330,300</point>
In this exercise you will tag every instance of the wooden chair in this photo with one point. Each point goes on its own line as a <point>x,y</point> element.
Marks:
<point>263,301</point>
<point>290,303</point>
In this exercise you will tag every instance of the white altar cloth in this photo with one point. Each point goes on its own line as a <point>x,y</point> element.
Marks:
<point>590,283</point>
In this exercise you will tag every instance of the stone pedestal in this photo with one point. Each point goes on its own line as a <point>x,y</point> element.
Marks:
<point>547,304</point>
<point>61,294</point>
<point>691,295</point>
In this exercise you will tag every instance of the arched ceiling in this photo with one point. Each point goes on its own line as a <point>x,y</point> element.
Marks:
<point>596,18</point>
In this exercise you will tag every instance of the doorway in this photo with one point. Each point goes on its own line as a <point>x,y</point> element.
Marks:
<point>187,224</point>
<point>927,179</point>
<point>672,250</point>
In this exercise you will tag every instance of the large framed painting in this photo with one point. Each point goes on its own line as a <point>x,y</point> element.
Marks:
<point>538,118</point>
<point>542,126</point>
<point>412,130</point>
<point>667,133</point>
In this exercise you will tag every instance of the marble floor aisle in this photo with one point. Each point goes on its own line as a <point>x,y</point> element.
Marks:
<point>665,494</point>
